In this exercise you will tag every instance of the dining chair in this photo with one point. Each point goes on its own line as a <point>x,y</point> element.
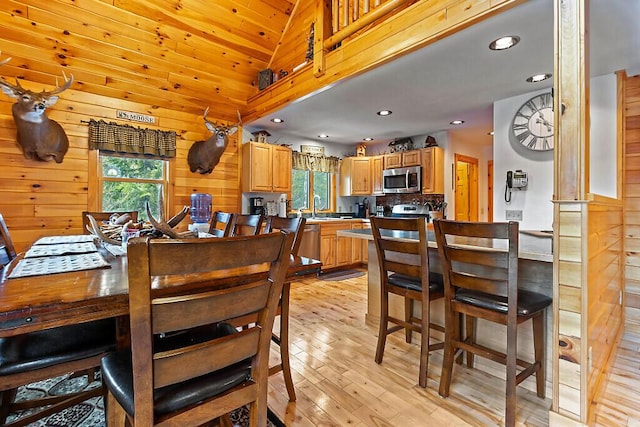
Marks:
<point>49,353</point>
<point>187,365</point>
<point>404,271</point>
<point>480,266</point>
<point>221,223</point>
<point>246,224</point>
<point>8,250</point>
<point>296,227</point>
<point>104,217</point>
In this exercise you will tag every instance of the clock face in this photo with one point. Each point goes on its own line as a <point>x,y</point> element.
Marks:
<point>533,123</point>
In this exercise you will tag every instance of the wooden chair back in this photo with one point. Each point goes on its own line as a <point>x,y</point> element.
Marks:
<point>291,225</point>
<point>5,241</point>
<point>246,224</point>
<point>221,224</point>
<point>254,268</point>
<point>104,217</point>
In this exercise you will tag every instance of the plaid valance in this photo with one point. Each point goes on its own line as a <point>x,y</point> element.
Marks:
<point>311,162</point>
<point>131,140</point>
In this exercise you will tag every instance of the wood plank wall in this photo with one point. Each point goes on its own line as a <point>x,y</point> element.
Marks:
<point>632,205</point>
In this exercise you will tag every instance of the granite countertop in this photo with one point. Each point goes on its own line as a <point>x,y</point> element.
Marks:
<point>536,246</point>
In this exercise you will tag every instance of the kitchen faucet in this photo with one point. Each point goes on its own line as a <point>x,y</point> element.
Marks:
<point>316,199</point>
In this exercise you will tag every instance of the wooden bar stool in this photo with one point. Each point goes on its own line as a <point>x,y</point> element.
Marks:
<point>404,271</point>
<point>480,267</point>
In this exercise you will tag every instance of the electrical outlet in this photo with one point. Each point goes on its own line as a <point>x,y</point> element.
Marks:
<point>513,215</point>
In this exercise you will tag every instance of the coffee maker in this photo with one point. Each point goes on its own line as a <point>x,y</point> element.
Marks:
<point>256,205</point>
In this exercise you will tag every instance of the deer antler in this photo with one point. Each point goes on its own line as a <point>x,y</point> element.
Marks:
<point>165,228</point>
<point>94,229</point>
<point>177,218</point>
<point>4,61</point>
<point>65,86</point>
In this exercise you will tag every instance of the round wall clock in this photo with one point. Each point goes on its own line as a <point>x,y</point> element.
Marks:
<point>532,125</point>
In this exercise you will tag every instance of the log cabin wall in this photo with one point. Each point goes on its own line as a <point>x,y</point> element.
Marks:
<point>152,57</point>
<point>632,204</point>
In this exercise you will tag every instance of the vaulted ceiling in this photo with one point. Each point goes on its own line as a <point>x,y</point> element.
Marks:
<point>181,55</point>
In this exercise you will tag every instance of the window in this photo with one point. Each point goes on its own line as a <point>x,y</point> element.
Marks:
<point>128,183</point>
<point>306,185</point>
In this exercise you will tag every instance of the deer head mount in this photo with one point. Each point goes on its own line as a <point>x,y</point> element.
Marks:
<point>39,137</point>
<point>205,155</point>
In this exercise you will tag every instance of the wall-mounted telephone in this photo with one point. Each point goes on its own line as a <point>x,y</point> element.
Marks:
<point>515,181</point>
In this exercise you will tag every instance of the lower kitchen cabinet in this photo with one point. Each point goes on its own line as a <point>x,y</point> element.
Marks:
<point>338,251</point>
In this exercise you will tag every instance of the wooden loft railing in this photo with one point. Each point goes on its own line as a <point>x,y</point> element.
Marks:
<point>338,20</point>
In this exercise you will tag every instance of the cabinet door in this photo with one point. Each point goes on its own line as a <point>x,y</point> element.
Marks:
<point>281,169</point>
<point>356,246</point>
<point>360,177</point>
<point>260,168</point>
<point>343,250</point>
<point>433,170</point>
<point>365,245</point>
<point>377,165</point>
<point>393,160</point>
<point>411,158</point>
<point>328,251</point>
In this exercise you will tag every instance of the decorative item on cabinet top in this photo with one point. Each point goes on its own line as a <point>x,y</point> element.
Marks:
<point>401,144</point>
<point>361,150</point>
<point>430,142</point>
<point>261,135</point>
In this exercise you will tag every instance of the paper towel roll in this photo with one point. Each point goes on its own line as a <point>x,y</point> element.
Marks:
<point>282,209</point>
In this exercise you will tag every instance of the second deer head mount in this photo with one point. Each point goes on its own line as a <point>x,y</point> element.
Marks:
<point>203,156</point>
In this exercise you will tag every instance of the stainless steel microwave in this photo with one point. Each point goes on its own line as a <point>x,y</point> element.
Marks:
<point>402,180</point>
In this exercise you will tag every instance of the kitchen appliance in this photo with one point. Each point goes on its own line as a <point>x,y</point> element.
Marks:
<point>256,205</point>
<point>412,211</point>
<point>402,180</point>
<point>282,206</point>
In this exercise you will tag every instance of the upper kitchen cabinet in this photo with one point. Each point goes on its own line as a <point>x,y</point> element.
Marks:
<point>266,168</point>
<point>432,170</point>
<point>355,176</point>
<point>402,159</point>
<point>377,165</point>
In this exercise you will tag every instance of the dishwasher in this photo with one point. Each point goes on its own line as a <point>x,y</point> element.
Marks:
<point>310,244</point>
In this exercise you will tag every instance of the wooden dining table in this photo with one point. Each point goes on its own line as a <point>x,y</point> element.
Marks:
<point>35,303</point>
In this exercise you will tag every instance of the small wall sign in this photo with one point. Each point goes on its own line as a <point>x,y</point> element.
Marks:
<point>312,149</point>
<point>135,117</point>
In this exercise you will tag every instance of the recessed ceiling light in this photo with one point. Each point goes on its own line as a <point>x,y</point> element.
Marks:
<point>504,43</point>
<point>367,139</point>
<point>384,112</point>
<point>538,78</point>
<point>456,122</point>
<point>323,135</point>
<point>277,120</point>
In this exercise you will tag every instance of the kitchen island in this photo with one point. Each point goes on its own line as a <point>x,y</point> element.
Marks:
<point>535,272</point>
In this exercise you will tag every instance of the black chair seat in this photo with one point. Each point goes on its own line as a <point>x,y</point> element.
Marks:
<point>528,302</point>
<point>55,346</point>
<point>117,373</point>
<point>436,282</point>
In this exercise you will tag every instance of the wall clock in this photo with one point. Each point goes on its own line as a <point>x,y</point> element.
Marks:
<point>532,125</point>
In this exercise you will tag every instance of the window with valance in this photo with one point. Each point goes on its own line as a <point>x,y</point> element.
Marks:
<point>127,139</point>
<point>315,163</point>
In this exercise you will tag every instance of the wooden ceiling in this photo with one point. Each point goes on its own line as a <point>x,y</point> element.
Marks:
<point>182,55</point>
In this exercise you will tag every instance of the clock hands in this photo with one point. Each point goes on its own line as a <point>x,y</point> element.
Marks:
<point>543,121</point>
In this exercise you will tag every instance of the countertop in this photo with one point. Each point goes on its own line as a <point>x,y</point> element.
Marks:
<point>536,246</point>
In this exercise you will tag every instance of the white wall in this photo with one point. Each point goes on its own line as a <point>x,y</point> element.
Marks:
<point>535,202</point>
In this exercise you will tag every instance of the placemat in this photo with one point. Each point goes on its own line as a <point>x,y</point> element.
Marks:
<point>74,238</point>
<point>60,249</point>
<point>57,264</point>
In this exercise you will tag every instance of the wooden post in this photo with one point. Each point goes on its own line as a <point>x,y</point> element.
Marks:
<point>571,82</point>
<point>322,30</point>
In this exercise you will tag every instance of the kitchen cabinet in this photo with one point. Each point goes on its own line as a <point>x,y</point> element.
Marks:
<point>339,251</point>
<point>402,159</point>
<point>433,170</point>
<point>266,168</point>
<point>355,176</point>
<point>377,166</point>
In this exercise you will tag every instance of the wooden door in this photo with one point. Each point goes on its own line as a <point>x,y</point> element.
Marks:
<point>490,191</point>
<point>281,169</point>
<point>360,176</point>
<point>466,191</point>
<point>261,168</point>
<point>377,165</point>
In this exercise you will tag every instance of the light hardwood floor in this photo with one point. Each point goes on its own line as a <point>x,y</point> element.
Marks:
<point>339,384</point>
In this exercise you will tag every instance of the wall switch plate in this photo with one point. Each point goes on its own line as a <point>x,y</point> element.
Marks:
<point>513,215</point>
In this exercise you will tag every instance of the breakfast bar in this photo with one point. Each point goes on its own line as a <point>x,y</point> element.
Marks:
<point>535,272</point>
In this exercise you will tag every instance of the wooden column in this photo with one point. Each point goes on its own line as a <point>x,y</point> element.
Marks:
<point>571,187</point>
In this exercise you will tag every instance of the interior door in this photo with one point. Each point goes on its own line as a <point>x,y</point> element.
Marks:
<point>466,191</point>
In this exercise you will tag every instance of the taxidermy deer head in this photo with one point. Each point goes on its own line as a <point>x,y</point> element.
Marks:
<point>39,137</point>
<point>205,155</point>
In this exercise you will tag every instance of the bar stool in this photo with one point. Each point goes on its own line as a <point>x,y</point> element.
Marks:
<point>404,271</point>
<point>481,282</point>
